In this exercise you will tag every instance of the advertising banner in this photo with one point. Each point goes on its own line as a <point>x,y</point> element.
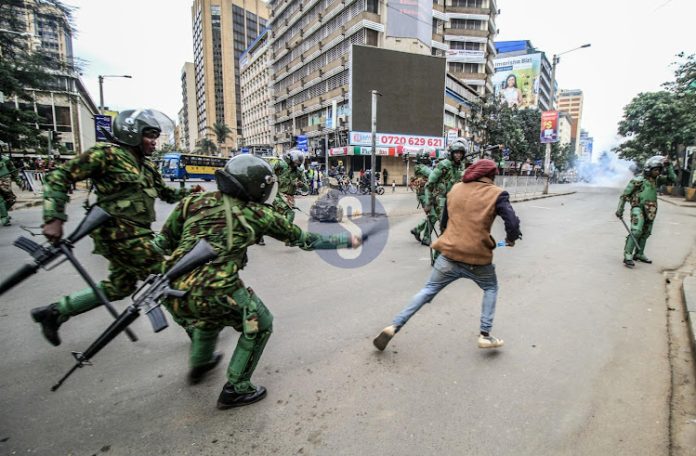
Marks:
<point>302,142</point>
<point>360,138</point>
<point>102,122</point>
<point>516,80</point>
<point>549,127</point>
<point>464,56</point>
<point>411,19</point>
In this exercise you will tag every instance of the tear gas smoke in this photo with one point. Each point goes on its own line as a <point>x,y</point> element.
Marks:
<point>608,171</point>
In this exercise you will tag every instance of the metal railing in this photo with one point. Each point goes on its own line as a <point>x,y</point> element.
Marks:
<point>521,186</point>
<point>33,180</point>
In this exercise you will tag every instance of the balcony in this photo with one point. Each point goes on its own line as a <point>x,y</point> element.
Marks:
<point>463,10</point>
<point>439,37</point>
<point>466,32</point>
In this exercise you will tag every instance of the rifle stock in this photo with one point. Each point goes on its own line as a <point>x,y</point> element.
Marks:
<point>148,296</point>
<point>43,255</point>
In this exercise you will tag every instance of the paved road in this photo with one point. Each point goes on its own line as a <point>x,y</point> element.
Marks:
<point>584,369</point>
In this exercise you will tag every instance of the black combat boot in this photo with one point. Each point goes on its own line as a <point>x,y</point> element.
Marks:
<point>628,262</point>
<point>50,320</point>
<point>196,374</point>
<point>230,398</point>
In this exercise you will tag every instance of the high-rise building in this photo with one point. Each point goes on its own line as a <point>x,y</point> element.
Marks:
<point>464,31</point>
<point>531,69</point>
<point>222,30</point>
<point>311,40</point>
<point>570,101</point>
<point>586,144</point>
<point>255,78</point>
<point>188,118</point>
<point>564,128</point>
<point>64,106</point>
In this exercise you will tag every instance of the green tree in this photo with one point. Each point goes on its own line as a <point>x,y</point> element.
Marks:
<point>655,122</point>
<point>24,66</point>
<point>205,146</point>
<point>222,133</point>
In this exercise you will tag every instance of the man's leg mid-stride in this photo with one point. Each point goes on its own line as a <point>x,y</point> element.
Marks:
<point>444,273</point>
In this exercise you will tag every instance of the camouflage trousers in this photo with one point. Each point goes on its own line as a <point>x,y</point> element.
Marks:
<point>641,228</point>
<point>130,260</point>
<point>6,192</point>
<point>426,225</point>
<point>203,317</point>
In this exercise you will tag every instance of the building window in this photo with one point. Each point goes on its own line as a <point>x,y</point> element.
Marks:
<point>373,6</point>
<point>459,67</point>
<point>468,3</point>
<point>468,24</point>
<point>465,45</point>
<point>371,37</point>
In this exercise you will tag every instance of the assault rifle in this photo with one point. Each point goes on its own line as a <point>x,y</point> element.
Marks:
<point>45,255</point>
<point>148,299</point>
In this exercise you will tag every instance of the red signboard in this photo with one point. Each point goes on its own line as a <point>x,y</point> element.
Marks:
<point>549,127</point>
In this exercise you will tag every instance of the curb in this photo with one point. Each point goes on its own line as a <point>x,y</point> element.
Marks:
<point>689,296</point>
<point>680,203</point>
<point>27,204</point>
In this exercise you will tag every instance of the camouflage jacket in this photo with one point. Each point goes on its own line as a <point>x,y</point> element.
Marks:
<point>7,169</point>
<point>125,187</point>
<point>441,179</point>
<point>288,178</point>
<point>230,226</point>
<point>420,178</point>
<point>641,191</point>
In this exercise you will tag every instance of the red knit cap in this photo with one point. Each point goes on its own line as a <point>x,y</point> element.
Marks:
<point>482,168</point>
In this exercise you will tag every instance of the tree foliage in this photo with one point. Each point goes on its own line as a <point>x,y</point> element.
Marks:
<point>24,65</point>
<point>221,131</point>
<point>659,122</point>
<point>206,146</point>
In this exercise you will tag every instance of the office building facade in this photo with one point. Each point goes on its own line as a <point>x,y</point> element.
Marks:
<point>64,106</point>
<point>255,78</point>
<point>570,101</point>
<point>188,117</point>
<point>310,46</point>
<point>222,30</point>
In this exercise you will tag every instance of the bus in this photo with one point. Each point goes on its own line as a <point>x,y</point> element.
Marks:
<point>177,166</point>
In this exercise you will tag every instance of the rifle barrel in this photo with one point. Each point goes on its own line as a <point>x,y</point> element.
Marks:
<point>18,277</point>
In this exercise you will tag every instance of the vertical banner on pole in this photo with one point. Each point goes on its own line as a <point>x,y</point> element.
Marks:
<point>549,127</point>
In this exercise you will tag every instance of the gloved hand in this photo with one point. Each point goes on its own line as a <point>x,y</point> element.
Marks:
<point>619,214</point>
<point>197,189</point>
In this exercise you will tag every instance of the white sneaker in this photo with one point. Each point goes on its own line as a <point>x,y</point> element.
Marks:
<point>490,342</point>
<point>384,337</point>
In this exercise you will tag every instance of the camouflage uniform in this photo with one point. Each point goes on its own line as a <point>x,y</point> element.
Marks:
<point>8,173</point>
<point>440,182</point>
<point>641,194</point>
<point>288,178</point>
<point>126,189</point>
<point>423,230</point>
<point>216,295</point>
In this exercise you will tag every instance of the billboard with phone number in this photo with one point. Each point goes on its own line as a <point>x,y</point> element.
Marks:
<point>360,138</point>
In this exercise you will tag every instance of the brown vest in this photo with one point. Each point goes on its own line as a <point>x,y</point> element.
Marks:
<point>470,211</point>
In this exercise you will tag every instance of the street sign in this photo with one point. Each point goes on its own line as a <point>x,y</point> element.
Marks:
<point>302,142</point>
<point>102,122</point>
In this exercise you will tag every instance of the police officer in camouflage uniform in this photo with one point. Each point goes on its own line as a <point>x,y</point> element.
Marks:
<point>126,184</point>
<point>446,173</point>
<point>231,220</point>
<point>421,173</point>
<point>291,176</point>
<point>641,193</point>
<point>8,173</point>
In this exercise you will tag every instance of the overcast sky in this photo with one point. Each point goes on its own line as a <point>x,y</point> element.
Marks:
<point>633,44</point>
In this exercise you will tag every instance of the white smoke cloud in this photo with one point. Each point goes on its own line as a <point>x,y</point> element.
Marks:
<point>608,171</point>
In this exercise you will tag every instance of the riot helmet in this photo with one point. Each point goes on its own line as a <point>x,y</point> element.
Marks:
<point>295,157</point>
<point>129,125</point>
<point>657,161</point>
<point>424,158</point>
<point>458,145</point>
<point>248,178</point>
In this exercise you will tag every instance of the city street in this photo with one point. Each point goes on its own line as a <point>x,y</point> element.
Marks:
<point>584,370</point>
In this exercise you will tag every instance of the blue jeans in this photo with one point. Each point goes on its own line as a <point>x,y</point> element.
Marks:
<point>446,271</point>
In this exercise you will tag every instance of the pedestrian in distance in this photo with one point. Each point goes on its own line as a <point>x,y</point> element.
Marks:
<point>231,219</point>
<point>126,183</point>
<point>641,194</point>
<point>466,248</point>
<point>8,174</point>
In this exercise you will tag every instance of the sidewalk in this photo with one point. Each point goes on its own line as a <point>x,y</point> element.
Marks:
<point>676,200</point>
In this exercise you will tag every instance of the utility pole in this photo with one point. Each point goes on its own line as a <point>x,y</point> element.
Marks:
<point>101,87</point>
<point>373,162</point>
<point>547,156</point>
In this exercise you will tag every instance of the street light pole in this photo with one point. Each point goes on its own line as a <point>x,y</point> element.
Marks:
<point>373,161</point>
<point>547,155</point>
<point>101,87</point>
